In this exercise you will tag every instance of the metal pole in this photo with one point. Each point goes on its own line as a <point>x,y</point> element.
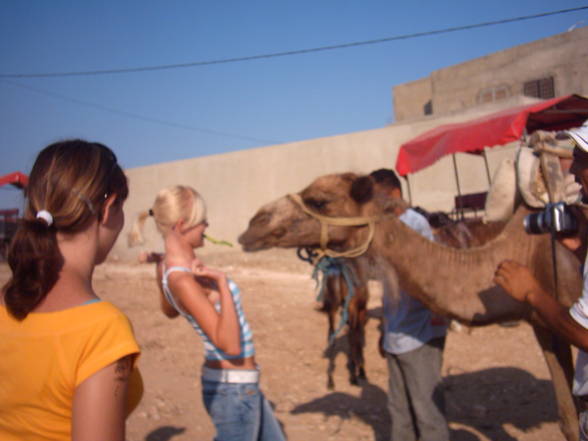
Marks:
<point>487,167</point>
<point>409,192</point>
<point>459,210</point>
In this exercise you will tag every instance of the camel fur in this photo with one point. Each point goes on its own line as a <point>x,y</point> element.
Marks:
<point>456,283</point>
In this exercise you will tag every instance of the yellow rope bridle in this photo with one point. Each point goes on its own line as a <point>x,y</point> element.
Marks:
<point>325,221</point>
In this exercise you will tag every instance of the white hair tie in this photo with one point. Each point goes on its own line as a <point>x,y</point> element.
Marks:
<point>46,216</point>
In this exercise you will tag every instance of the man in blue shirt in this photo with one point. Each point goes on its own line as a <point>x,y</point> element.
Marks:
<point>412,342</point>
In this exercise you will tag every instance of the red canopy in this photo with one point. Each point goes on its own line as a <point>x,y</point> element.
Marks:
<point>18,179</point>
<point>495,129</point>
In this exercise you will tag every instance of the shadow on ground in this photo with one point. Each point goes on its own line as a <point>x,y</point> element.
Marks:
<point>164,433</point>
<point>484,401</point>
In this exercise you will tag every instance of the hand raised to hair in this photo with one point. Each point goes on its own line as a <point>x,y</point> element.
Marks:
<point>516,279</point>
<point>178,252</point>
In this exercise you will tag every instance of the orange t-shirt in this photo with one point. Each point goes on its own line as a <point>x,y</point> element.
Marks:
<point>46,356</point>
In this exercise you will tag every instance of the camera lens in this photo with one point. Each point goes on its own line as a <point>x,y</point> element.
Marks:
<point>535,223</point>
<point>556,218</point>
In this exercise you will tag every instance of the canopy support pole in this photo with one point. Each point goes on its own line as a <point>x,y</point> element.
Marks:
<point>458,207</point>
<point>487,167</point>
<point>408,188</point>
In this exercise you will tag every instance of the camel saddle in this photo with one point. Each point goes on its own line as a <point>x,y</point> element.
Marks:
<point>535,173</point>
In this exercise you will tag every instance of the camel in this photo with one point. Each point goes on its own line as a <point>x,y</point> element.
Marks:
<point>456,283</point>
<point>335,289</point>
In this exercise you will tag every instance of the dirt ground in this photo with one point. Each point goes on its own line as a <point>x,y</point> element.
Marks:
<point>496,383</point>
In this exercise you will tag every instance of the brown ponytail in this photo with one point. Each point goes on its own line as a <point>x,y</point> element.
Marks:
<point>71,180</point>
<point>35,261</point>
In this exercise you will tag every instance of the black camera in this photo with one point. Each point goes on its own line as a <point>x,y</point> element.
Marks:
<point>555,218</point>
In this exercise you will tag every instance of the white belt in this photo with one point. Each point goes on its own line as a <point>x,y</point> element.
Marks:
<point>231,375</point>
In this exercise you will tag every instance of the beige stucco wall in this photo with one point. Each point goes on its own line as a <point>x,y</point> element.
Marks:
<point>410,98</point>
<point>236,184</point>
<point>562,56</point>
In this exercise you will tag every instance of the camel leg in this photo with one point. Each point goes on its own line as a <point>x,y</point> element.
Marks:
<point>354,356</point>
<point>558,357</point>
<point>330,306</point>
<point>357,321</point>
<point>330,354</point>
<point>362,321</point>
<point>354,353</point>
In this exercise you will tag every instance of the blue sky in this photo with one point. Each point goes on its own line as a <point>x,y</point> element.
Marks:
<point>168,115</point>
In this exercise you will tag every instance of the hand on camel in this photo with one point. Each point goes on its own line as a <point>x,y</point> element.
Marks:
<point>516,279</point>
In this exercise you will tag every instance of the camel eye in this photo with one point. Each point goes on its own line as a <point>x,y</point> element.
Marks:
<point>260,219</point>
<point>315,204</point>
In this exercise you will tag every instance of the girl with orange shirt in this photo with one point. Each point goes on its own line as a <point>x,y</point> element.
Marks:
<point>68,358</point>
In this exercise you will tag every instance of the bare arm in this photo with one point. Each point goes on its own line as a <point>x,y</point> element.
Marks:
<point>222,328</point>
<point>166,308</point>
<point>99,406</point>
<point>520,284</point>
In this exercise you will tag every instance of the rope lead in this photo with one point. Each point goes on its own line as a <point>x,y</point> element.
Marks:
<point>335,267</point>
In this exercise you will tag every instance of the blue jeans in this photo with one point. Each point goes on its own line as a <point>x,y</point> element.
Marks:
<point>583,420</point>
<point>240,412</point>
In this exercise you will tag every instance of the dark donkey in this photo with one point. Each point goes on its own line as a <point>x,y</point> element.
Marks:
<point>344,291</point>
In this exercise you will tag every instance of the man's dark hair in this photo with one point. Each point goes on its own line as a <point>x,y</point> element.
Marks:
<point>386,178</point>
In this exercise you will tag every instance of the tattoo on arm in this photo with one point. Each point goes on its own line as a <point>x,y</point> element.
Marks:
<point>122,372</point>
<point>123,368</point>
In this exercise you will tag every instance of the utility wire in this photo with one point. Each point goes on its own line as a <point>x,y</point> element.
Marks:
<point>139,117</point>
<point>294,52</point>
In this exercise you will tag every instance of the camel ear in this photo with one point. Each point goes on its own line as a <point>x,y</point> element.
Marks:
<point>362,190</point>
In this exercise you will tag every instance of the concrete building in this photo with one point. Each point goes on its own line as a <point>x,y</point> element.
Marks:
<point>236,184</point>
<point>546,68</point>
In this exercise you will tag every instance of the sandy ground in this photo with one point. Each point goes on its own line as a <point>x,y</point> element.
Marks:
<point>496,383</point>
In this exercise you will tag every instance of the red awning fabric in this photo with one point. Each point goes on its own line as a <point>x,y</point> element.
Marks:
<point>491,130</point>
<point>18,179</point>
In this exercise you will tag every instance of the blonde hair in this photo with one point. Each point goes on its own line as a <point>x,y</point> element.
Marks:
<point>172,204</point>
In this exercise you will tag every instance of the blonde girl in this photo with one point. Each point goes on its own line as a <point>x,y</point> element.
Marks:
<point>211,303</point>
<point>67,370</point>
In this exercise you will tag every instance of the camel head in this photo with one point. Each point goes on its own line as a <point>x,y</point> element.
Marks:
<point>283,223</point>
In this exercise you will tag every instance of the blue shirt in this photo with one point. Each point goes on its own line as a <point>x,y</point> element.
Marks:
<point>408,324</point>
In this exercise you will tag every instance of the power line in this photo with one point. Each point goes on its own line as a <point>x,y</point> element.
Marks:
<point>139,117</point>
<point>289,53</point>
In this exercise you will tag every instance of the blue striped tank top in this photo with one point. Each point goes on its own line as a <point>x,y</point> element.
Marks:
<point>211,352</point>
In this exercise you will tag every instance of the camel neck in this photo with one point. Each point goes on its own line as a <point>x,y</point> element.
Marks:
<point>454,282</point>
